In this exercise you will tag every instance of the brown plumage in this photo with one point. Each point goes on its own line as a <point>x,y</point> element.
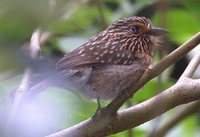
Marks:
<point>111,61</point>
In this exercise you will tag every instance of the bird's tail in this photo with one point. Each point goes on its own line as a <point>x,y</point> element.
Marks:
<point>55,80</point>
<point>39,87</point>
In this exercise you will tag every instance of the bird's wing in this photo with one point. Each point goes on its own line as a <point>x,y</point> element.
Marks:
<point>96,54</point>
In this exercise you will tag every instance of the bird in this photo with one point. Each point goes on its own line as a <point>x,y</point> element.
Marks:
<point>110,62</point>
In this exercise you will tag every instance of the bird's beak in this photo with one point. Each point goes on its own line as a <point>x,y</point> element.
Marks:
<point>156,31</point>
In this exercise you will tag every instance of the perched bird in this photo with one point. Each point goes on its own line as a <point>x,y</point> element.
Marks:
<point>111,61</point>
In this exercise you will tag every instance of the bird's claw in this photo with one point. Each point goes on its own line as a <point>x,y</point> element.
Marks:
<point>98,110</point>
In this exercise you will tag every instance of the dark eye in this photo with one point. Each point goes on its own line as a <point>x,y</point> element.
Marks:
<point>135,29</point>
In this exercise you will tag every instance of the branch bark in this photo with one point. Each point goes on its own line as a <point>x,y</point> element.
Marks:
<point>183,112</point>
<point>108,122</point>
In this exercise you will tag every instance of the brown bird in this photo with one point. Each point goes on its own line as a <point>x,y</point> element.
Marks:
<point>111,61</point>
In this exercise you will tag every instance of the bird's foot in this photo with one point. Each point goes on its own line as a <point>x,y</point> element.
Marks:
<point>98,110</point>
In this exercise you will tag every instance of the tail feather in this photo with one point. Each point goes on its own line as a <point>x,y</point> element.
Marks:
<point>54,80</point>
<point>39,87</point>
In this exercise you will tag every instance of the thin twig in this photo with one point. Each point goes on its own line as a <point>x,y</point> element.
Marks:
<point>24,85</point>
<point>35,44</point>
<point>182,113</point>
<point>19,93</point>
<point>194,63</point>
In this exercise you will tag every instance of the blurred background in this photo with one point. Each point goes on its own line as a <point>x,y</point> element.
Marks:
<point>70,23</point>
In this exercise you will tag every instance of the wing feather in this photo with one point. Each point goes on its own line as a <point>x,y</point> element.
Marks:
<point>100,54</point>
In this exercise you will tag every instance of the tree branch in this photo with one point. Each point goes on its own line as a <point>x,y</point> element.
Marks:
<point>183,112</point>
<point>191,68</point>
<point>105,123</point>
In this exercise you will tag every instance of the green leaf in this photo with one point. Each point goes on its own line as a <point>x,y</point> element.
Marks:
<point>181,24</point>
<point>150,89</point>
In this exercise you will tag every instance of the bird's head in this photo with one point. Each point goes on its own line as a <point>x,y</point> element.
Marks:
<point>125,41</point>
<point>136,34</point>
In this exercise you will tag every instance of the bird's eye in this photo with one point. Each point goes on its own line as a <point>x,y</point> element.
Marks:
<point>135,29</point>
